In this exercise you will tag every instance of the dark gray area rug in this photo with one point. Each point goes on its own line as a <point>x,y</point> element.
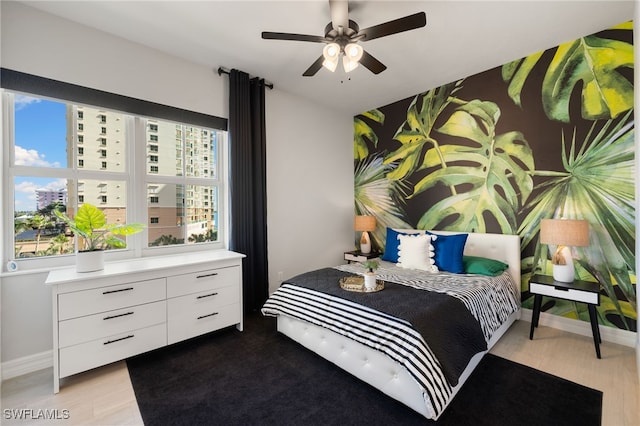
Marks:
<point>260,377</point>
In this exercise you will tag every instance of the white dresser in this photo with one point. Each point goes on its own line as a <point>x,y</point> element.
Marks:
<point>135,306</point>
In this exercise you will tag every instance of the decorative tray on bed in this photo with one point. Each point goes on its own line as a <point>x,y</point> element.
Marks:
<point>357,284</point>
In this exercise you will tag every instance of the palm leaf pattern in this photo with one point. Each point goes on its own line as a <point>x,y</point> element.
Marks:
<point>375,195</point>
<point>473,173</point>
<point>415,133</point>
<point>362,131</point>
<point>597,185</point>
<point>495,170</point>
<point>592,60</point>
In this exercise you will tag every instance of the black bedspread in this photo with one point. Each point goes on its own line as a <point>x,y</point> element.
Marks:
<point>448,328</point>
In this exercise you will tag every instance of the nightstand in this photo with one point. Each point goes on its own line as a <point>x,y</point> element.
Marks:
<point>357,256</point>
<point>578,291</point>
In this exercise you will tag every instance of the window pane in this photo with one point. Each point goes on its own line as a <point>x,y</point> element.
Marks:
<point>174,149</point>
<point>36,229</point>
<point>201,214</point>
<point>40,132</point>
<point>104,139</point>
<point>166,214</point>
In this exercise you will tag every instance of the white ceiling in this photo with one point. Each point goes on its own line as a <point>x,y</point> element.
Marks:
<point>461,38</point>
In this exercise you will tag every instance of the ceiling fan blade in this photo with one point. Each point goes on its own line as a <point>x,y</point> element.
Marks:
<point>371,63</point>
<point>295,37</point>
<point>399,25</point>
<point>339,14</point>
<point>314,68</point>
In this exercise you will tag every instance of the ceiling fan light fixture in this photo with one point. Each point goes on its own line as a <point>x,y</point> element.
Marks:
<point>352,55</point>
<point>353,51</point>
<point>349,64</point>
<point>331,53</point>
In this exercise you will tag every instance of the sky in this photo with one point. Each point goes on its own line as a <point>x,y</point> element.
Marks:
<point>40,140</point>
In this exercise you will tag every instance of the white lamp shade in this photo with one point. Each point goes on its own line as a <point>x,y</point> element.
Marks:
<point>353,51</point>
<point>348,64</point>
<point>331,53</point>
<point>352,55</point>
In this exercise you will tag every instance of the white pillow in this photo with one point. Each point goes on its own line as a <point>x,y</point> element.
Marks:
<point>416,252</point>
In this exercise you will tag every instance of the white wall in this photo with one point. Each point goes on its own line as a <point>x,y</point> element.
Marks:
<point>309,163</point>
<point>310,153</point>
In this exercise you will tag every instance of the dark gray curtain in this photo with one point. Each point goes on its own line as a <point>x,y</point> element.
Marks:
<point>248,184</point>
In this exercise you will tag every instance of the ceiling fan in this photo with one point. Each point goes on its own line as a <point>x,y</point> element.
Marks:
<point>341,37</point>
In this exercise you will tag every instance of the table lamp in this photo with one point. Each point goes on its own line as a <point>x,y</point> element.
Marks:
<point>365,224</point>
<point>564,233</point>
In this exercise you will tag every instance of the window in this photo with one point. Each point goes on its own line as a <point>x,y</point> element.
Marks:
<point>187,196</point>
<point>53,174</point>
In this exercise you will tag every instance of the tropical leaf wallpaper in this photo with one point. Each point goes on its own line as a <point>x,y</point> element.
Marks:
<point>549,135</point>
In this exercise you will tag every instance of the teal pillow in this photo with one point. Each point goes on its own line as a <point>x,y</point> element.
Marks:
<point>392,243</point>
<point>449,249</point>
<point>483,266</point>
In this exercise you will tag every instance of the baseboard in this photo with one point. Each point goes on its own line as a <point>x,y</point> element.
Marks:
<point>583,328</point>
<point>27,364</point>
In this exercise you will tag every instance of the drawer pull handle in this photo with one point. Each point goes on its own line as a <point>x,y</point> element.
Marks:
<point>117,316</point>
<point>561,288</point>
<point>117,291</point>
<point>208,315</point>
<point>117,340</point>
<point>207,275</point>
<point>206,295</point>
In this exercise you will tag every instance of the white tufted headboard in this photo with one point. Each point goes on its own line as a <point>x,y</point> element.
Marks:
<point>502,247</point>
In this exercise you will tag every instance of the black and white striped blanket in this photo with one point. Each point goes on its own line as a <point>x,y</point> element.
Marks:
<point>315,297</point>
<point>489,299</point>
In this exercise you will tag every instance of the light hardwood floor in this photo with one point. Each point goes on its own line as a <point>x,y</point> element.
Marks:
<point>105,397</point>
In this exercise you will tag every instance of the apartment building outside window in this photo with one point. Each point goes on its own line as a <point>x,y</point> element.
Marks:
<point>103,177</point>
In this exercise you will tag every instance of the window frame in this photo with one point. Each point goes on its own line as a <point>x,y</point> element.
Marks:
<point>16,82</point>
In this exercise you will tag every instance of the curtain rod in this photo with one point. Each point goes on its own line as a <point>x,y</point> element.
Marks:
<point>222,70</point>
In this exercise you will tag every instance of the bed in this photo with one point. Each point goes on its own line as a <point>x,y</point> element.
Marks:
<point>425,381</point>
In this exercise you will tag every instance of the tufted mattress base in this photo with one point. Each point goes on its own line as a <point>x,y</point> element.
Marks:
<point>370,365</point>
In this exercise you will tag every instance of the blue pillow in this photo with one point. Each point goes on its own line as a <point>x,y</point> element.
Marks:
<point>449,251</point>
<point>392,244</point>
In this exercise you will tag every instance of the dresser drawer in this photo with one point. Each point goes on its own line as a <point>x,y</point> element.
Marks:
<point>87,302</point>
<point>189,319</point>
<point>178,285</point>
<point>562,293</point>
<point>83,329</point>
<point>74,359</point>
